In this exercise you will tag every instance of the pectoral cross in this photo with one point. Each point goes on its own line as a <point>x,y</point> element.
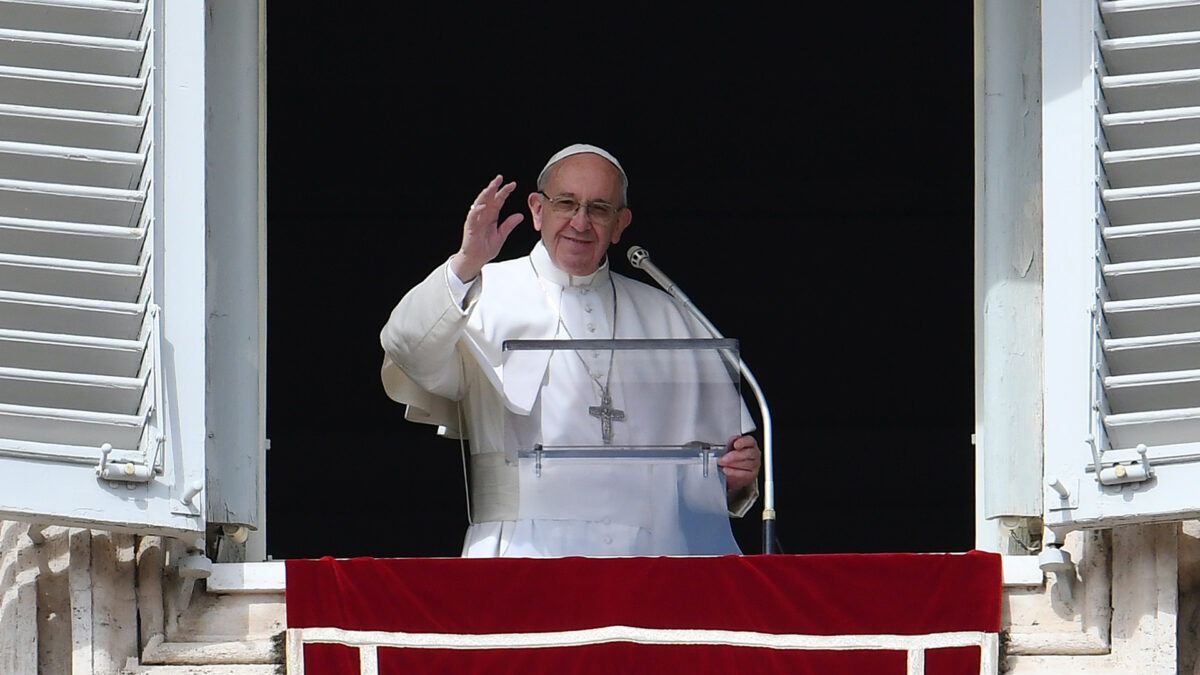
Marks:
<point>607,415</point>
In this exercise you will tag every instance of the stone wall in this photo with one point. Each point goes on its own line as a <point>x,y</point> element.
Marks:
<point>85,601</point>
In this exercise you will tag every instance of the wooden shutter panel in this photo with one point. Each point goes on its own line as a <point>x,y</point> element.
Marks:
<point>1138,455</point>
<point>84,410</point>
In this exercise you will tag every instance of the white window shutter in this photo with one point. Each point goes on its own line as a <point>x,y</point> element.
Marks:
<point>101,359</point>
<point>1121,160</point>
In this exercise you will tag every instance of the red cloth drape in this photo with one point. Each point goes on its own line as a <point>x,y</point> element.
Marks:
<point>875,594</point>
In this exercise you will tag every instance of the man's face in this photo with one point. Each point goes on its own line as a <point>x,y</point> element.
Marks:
<point>577,243</point>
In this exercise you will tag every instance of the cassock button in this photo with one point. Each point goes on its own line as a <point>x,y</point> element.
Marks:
<point>608,540</point>
<point>591,327</point>
<point>587,308</point>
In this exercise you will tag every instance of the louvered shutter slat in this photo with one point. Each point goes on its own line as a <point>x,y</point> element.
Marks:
<point>1151,128</point>
<point>104,18</point>
<point>1152,354</point>
<point>1121,240</point>
<point>73,53</point>
<point>1152,53</point>
<point>1151,278</point>
<point>104,205</point>
<point>76,166</point>
<point>71,353</point>
<point>77,366</point>
<point>1151,203</point>
<point>63,89</point>
<point>1148,241</point>
<point>1144,17</point>
<point>63,433</point>
<point>1151,71</point>
<point>71,128</point>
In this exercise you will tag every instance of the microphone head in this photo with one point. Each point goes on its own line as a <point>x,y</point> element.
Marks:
<point>636,255</point>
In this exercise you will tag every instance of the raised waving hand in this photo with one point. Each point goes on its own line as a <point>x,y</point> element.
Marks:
<point>483,233</point>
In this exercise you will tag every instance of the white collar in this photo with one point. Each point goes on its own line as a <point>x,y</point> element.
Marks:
<point>546,269</point>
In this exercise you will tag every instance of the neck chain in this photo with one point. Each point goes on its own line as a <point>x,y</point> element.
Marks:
<point>605,412</point>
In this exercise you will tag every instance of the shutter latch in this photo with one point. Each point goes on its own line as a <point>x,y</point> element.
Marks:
<point>122,470</point>
<point>1132,472</point>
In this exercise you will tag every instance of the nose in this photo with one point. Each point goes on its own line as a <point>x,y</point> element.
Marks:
<point>579,221</point>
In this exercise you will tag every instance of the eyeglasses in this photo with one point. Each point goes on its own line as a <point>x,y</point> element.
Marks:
<point>598,212</point>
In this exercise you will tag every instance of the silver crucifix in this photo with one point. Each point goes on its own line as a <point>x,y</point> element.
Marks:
<point>607,415</point>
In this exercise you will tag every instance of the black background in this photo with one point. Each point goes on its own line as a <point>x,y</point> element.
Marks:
<point>806,176</point>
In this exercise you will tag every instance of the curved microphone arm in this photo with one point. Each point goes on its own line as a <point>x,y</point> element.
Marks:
<point>640,258</point>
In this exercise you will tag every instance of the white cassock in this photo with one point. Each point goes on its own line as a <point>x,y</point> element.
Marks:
<point>443,345</point>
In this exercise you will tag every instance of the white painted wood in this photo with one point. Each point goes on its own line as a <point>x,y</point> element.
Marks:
<point>1068,188</point>
<point>72,203</point>
<point>40,312</point>
<point>1122,313</point>
<point>105,393</point>
<point>1151,128</point>
<point>1141,17</point>
<point>236,244</point>
<point>64,89</point>
<point>181,208</point>
<point>76,166</point>
<point>81,128</point>
<point>256,542</point>
<point>70,353</point>
<point>102,234</point>
<point>79,278</point>
<point>107,18</point>
<point>1008,289</point>
<point>65,51</point>
<point>1152,53</point>
<point>1152,165</point>
<point>79,241</point>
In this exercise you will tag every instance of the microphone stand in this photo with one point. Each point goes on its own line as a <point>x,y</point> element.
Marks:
<point>640,258</point>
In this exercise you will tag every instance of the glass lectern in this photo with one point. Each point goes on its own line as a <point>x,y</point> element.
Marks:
<point>622,451</point>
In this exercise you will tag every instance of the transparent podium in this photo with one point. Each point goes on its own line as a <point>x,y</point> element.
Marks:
<point>621,456</point>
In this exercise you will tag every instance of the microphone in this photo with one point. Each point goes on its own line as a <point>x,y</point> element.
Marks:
<point>640,258</point>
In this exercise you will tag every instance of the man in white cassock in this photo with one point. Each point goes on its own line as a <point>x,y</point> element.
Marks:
<point>445,359</point>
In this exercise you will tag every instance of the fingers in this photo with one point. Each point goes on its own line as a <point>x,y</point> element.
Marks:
<point>494,195</point>
<point>483,234</point>
<point>510,223</point>
<point>743,456</point>
<point>486,193</point>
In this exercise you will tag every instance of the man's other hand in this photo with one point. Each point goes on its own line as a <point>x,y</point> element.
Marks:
<point>741,463</point>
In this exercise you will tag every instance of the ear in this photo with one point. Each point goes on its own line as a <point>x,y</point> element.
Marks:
<point>535,209</point>
<point>623,221</point>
